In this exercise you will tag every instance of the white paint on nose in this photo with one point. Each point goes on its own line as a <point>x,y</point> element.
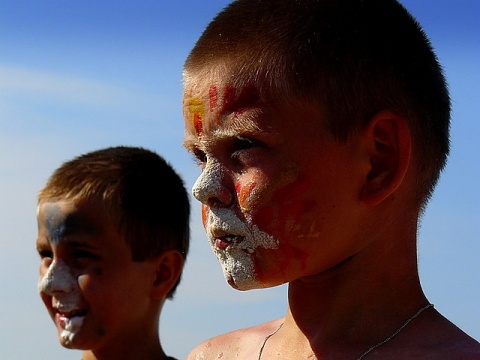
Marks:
<point>58,279</point>
<point>209,188</point>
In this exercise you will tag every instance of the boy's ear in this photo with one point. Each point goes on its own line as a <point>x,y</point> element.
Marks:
<point>168,268</point>
<point>388,142</point>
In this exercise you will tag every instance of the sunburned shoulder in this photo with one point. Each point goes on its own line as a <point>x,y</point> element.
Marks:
<point>239,344</point>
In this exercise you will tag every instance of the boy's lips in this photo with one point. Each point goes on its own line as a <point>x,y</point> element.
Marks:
<point>63,316</point>
<point>223,242</point>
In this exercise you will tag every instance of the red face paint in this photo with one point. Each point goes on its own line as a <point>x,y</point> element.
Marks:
<point>228,98</point>
<point>197,113</point>
<point>197,123</point>
<point>284,210</point>
<point>248,98</point>
<point>213,97</point>
<point>205,210</point>
<point>244,192</point>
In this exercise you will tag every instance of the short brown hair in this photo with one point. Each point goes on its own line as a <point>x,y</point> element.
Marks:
<point>354,58</point>
<point>139,189</point>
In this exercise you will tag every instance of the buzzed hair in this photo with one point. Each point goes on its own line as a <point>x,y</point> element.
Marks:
<point>354,58</point>
<point>140,191</point>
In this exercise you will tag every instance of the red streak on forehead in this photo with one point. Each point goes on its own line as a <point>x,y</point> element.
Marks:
<point>213,97</point>
<point>248,98</point>
<point>228,98</point>
<point>197,123</point>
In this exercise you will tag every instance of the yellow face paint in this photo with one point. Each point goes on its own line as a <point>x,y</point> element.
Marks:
<point>197,114</point>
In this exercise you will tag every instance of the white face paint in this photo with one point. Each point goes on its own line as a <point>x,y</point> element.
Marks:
<point>72,325</point>
<point>234,242</point>
<point>62,286</point>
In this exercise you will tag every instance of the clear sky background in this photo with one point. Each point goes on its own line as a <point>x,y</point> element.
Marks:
<point>76,76</point>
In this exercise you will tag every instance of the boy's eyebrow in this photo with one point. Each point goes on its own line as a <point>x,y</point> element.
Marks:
<point>76,223</point>
<point>78,244</point>
<point>189,143</point>
<point>237,125</point>
<point>73,224</point>
<point>231,127</point>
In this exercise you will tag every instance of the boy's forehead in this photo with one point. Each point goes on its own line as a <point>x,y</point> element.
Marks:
<point>64,218</point>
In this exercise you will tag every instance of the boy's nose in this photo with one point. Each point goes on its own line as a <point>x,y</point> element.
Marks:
<point>210,188</point>
<point>58,279</point>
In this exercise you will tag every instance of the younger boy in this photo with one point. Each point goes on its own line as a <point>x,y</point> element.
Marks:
<point>113,235</point>
<point>321,127</point>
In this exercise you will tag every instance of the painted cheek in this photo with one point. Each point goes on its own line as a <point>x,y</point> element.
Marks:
<point>291,255</point>
<point>279,263</point>
<point>285,210</point>
<point>246,194</point>
<point>253,190</point>
<point>205,210</point>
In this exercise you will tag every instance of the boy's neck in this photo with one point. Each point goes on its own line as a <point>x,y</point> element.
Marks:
<point>138,354</point>
<point>367,297</point>
<point>141,348</point>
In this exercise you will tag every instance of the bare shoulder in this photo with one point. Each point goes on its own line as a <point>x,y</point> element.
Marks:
<point>457,343</point>
<point>241,344</point>
<point>438,338</point>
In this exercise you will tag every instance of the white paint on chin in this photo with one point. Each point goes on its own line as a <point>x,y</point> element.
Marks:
<point>238,268</point>
<point>237,259</point>
<point>71,328</point>
<point>60,284</point>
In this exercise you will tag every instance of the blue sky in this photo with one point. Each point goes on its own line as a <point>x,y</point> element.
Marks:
<point>80,75</point>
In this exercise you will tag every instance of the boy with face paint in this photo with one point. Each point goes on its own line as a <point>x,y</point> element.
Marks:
<point>321,128</point>
<point>113,235</point>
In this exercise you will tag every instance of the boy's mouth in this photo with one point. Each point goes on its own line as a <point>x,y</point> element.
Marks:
<point>224,242</point>
<point>64,316</point>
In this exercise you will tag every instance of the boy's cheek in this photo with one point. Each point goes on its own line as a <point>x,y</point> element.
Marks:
<point>254,190</point>
<point>246,193</point>
<point>205,210</point>
<point>285,211</point>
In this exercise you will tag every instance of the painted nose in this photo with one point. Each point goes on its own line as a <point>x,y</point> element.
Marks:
<point>58,279</point>
<point>210,187</point>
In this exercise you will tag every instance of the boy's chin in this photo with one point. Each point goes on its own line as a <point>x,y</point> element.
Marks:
<point>244,284</point>
<point>68,344</point>
<point>74,344</point>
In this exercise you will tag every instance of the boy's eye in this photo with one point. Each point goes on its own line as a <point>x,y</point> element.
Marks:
<point>242,143</point>
<point>45,254</point>
<point>83,254</point>
<point>200,156</point>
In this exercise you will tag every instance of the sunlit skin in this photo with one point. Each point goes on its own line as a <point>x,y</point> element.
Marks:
<point>269,156</point>
<point>340,214</point>
<point>111,292</point>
